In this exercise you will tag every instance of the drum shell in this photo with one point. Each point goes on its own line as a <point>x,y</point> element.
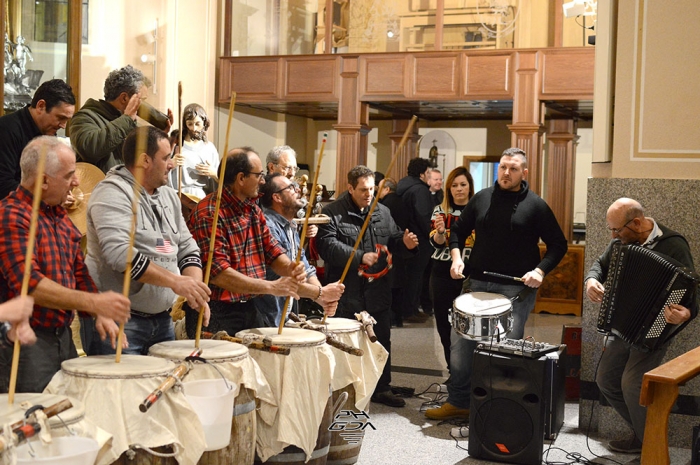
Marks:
<point>342,451</point>
<point>478,326</point>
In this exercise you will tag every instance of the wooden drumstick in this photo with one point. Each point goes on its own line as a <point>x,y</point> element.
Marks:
<point>50,411</point>
<point>29,254</point>
<point>305,227</point>
<point>138,178</point>
<point>182,130</point>
<point>257,345</point>
<point>177,374</point>
<point>215,220</point>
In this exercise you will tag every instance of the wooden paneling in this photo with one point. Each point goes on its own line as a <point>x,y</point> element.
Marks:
<point>254,80</point>
<point>435,76</point>
<point>567,74</point>
<point>311,78</point>
<point>383,76</point>
<point>488,76</point>
<point>562,289</point>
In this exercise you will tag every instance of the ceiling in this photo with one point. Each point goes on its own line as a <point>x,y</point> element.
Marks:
<point>432,110</point>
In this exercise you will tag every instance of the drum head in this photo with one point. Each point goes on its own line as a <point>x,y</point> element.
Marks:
<point>482,303</point>
<point>130,366</point>
<point>339,325</point>
<point>289,336</point>
<point>15,412</point>
<point>212,350</point>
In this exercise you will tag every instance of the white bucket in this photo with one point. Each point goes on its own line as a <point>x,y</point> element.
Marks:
<point>65,450</point>
<point>213,401</point>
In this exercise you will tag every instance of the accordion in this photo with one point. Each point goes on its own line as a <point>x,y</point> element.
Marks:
<point>640,284</point>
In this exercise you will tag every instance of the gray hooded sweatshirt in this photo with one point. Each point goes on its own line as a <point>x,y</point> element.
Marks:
<point>161,237</point>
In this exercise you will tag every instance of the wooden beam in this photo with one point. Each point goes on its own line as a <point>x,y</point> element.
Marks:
<point>228,26</point>
<point>75,46</point>
<point>439,23</point>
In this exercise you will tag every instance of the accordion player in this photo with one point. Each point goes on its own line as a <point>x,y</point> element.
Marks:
<point>640,284</point>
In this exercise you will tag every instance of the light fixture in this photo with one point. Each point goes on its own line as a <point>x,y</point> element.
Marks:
<point>148,58</point>
<point>579,8</point>
<point>152,58</point>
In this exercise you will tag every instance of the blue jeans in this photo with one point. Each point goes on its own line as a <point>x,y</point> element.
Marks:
<point>142,333</point>
<point>462,350</point>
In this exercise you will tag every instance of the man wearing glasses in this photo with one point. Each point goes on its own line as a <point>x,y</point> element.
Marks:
<point>243,250</point>
<point>622,366</point>
<point>283,160</point>
<point>280,201</point>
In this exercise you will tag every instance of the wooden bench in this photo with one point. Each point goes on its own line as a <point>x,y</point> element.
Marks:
<point>659,393</point>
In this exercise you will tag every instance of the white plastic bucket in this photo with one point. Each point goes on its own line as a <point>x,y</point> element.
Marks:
<point>213,401</point>
<point>66,450</point>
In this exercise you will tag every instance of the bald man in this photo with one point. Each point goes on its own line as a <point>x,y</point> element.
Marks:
<point>623,366</point>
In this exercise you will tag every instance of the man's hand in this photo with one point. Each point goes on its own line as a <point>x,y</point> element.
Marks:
<point>533,278</point>
<point>205,169</point>
<point>22,331</point>
<point>285,286</point>
<point>178,158</point>
<point>171,118</point>
<point>410,240</point>
<point>107,327</point>
<point>17,310</point>
<point>133,106</point>
<point>457,268</point>
<point>370,258</point>
<point>676,314</point>
<point>112,305</point>
<point>331,293</point>
<point>298,272</point>
<point>330,308</point>
<point>311,231</point>
<point>594,290</point>
<point>193,290</point>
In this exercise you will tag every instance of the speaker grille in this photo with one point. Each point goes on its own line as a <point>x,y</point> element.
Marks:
<point>504,426</point>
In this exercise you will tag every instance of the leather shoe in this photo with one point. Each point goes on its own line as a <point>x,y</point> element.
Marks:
<point>388,398</point>
<point>417,318</point>
<point>626,446</point>
<point>447,411</point>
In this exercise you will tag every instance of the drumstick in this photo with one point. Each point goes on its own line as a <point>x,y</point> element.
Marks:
<point>367,324</point>
<point>257,345</point>
<point>503,276</point>
<point>305,227</point>
<point>138,178</point>
<point>376,199</point>
<point>29,254</point>
<point>331,339</point>
<point>177,374</point>
<point>215,220</point>
<point>50,411</point>
<point>182,129</point>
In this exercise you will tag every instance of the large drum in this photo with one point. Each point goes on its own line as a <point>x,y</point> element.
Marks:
<point>111,393</point>
<point>480,316</point>
<point>70,422</point>
<point>300,383</point>
<point>357,376</point>
<point>232,362</point>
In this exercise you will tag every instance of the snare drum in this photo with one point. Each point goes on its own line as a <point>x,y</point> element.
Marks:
<point>481,315</point>
<point>66,423</point>
<point>300,383</point>
<point>111,393</point>
<point>233,362</point>
<point>357,376</point>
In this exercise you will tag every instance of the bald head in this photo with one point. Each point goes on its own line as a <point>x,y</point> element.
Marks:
<point>626,208</point>
<point>626,221</point>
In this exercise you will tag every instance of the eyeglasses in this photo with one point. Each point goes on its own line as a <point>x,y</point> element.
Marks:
<point>288,169</point>
<point>257,175</point>
<point>618,230</point>
<point>292,187</point>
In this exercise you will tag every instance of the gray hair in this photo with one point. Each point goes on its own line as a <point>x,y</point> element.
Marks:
<point>29,159</point>
<point>127,79</point>
<point>515,152</point>
<point>273,156</point>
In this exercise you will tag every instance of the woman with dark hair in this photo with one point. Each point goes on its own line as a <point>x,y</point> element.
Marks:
<point>459,188</point>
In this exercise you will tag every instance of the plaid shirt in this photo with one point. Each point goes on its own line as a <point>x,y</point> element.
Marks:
<point>243,240</point>
<point>57,254</point>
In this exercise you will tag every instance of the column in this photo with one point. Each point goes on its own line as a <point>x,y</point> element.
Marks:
<point>407,152</point>
<point>560,176</point>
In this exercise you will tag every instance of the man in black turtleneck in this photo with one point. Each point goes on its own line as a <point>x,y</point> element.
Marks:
<point>508,220</point>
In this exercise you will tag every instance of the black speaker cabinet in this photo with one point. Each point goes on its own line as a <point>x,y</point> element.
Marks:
<point>515,403</point>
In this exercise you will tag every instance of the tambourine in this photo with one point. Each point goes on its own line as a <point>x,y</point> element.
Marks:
<point>362,271</point>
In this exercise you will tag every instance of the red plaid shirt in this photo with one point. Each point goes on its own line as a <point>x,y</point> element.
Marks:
<point>57,254</point>
<point>243,240</point>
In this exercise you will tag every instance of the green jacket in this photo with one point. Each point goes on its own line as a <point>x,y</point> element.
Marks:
<point>97,132</point>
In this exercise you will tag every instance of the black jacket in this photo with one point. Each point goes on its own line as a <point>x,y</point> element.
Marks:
<point>16,130</point>
<point>335,242</point>
<point>419,204</point>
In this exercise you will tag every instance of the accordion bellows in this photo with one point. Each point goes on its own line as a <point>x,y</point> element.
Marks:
<point>640,284</point>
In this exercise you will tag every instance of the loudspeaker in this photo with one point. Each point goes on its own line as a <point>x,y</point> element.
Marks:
<point>515,402</point>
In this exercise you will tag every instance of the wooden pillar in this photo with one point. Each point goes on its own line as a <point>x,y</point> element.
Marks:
<point>560,177</point>
<point>353,123</point>
<point>75,46</point>
<point>439,23</point>
<point>408,151</point>
<point>228,26</point>
<point>526,130</point>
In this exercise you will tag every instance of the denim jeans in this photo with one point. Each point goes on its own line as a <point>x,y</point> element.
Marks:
<point>462,350</point>
<point>142,333</point>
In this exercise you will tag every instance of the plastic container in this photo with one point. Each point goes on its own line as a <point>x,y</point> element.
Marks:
<point>67,450</point>
<point>213,401</point>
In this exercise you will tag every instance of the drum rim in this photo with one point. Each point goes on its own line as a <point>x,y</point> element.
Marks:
<point>357,324</point>
<point>507,304</point>
<point>165,371</point>
<point>244,352</point>
<point>321,337</point>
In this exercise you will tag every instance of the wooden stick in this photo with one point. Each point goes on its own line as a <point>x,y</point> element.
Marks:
<point>309,206</point>
<point>138,179</point>
<point>50,411</point>
<point>215,220</point>
<point>376,198</point>
<point>262,345</point>
<point>367,324</point>
<point>29,254</point>
<point>182,130</point>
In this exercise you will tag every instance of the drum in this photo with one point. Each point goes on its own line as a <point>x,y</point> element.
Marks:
<point>356,376</point>
<point>231,361</point>
<point>111,393</point>
<point>300,383</point>
<point>66,423</point>
<point>481,315</point>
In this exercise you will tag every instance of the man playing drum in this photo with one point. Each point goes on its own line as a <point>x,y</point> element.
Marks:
<point>509,220</point>
<point>165,260</point>
<point>335,242</point>
<point>59,280</point>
